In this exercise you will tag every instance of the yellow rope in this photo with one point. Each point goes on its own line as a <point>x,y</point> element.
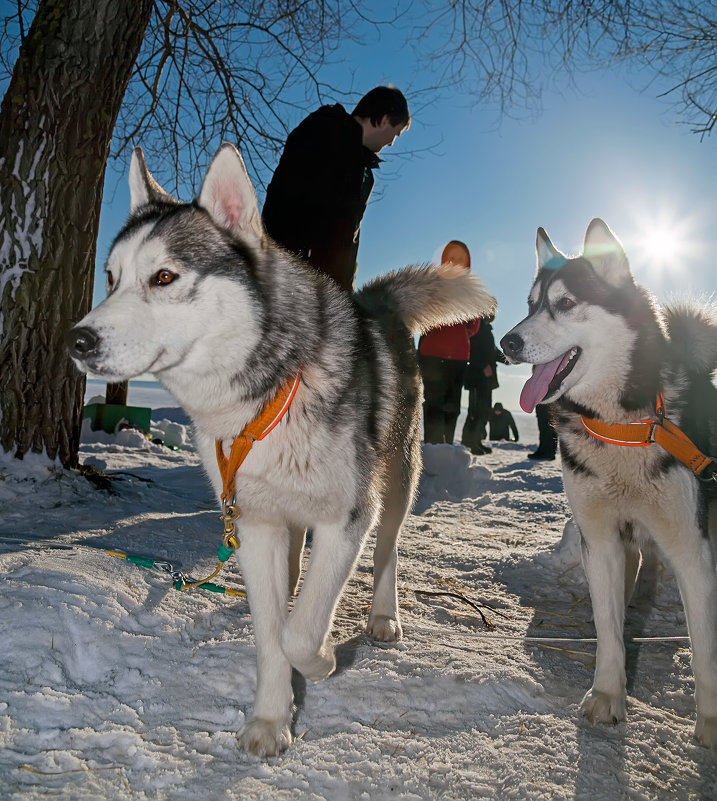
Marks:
<point>194,584</point>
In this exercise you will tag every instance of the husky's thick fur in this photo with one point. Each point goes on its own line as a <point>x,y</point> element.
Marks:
<point>603,350</point>
<point>201,298</point>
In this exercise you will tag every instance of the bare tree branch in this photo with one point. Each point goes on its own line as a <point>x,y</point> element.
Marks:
<point>237,71</point>
<point>505,52</point>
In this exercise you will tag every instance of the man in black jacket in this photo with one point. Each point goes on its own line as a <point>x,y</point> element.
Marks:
<point>319,191</point>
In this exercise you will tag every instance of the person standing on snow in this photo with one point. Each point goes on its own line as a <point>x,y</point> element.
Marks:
<point>442,356</point>
<point>481,378</point>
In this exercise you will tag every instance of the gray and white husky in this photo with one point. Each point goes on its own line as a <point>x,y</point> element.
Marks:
<point>603,351</point>
<point>201,298</point>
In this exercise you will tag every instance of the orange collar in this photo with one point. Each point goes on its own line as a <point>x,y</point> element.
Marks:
<point>254,430</point>
<point>660,430</point>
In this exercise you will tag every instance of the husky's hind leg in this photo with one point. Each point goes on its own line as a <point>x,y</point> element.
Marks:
<point>297,539</point>
<point>383,621</point>
<point>305,636</point>
<point>604,562</point>
<point>633,562</point>
<point>689,552</point>
<point>263,556</point>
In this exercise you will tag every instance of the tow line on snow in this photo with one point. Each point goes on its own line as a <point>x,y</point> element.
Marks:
<point>180,581</point>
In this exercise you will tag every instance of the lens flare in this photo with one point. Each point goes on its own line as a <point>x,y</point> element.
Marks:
<point>662,246</point>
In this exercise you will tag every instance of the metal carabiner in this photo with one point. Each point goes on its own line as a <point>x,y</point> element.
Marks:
<point>177,575</point>
<point>231,514</point>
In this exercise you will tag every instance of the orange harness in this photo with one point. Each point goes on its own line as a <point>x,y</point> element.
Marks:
<point>666,434</point>
<point>267,419</point>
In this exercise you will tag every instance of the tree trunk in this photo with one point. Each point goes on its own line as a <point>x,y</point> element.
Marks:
<point>117,393</point>
<point>56,123</point>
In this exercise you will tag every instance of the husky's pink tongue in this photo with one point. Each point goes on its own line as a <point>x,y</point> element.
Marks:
<point>536,387</point>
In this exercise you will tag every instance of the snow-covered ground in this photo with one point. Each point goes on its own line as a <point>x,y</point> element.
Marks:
<point>115,686</point>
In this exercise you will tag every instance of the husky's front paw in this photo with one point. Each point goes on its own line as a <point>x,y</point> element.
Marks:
<point>318,666</point>
<point>706,732</point>
<point>265,738</point>
<point>314,666</point>
<point>600,707</point>
<point>384,628</point>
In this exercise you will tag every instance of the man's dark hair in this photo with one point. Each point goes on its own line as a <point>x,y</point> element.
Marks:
<point>382,101</point>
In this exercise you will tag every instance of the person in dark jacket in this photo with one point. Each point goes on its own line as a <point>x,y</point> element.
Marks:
<point>317,197</point>
<point>502,424</point>
<point>481,378</point>
<point>442,356</point>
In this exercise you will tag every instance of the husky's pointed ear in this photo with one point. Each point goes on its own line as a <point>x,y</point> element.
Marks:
<point>549,257</point>
<point>143,189</point>
<point>606,254</point>
<point>229,197</point>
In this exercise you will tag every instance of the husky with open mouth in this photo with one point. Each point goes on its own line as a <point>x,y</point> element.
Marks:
<point>636,411</point>
<point>242,332</point>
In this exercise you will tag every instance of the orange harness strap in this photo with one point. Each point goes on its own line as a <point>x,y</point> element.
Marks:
<point>660,430</point>
<point>254,430</point>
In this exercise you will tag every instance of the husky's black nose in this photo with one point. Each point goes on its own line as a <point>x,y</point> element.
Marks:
<point>81,342</point>
<point>512,345</point>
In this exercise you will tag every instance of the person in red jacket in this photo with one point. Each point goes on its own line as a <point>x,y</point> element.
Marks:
<point>442,356</point>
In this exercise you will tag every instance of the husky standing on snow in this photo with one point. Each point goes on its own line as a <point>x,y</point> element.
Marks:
<point>201,298</point>
<point>623,378</point>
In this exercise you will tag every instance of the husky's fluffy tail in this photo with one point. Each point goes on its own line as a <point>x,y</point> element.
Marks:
<point>692,330</point>
<point>426,297</point>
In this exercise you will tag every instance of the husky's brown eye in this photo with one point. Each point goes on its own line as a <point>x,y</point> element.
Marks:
<point>164,277</point>
<point>110,280</point>
<point>565,303</point>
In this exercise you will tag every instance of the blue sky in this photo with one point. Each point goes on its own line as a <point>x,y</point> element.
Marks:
<point>605,150</point>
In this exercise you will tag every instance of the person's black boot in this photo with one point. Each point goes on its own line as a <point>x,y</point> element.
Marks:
<point>480,449</point>
<point>541,455</point>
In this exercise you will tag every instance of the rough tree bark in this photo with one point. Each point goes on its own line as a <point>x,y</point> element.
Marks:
<point>56,123</point>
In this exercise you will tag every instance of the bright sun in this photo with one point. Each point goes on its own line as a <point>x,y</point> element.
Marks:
<point>663,245</point>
